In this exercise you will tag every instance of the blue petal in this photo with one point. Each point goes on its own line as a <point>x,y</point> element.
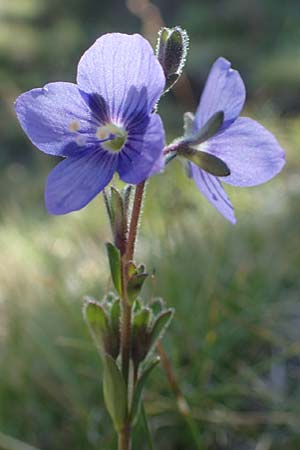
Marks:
<point>250,151</point>
<point>115,63</point>
<point>49,116</point>
<point>142,155</point>
<point>224,91</point>
<point>212,189</point>
<point>74,182</point>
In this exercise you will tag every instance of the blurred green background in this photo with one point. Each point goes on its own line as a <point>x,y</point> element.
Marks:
<point>235,341</point>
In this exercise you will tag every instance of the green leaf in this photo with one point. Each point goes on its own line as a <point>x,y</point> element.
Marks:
<point>97,321</point>
<point>160,325</point>
<point>114,391</point>
<point>115,266</point>
<point>137,396</point>
<point>157,305</point>
<point>140,335</point>
<point>208,162</point>
<point>115,318</point>
<point>115,315</point>
<point>137,306</point>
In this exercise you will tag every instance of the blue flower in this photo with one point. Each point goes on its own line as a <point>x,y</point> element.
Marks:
<point>101,125</point>
<point>250,152</point>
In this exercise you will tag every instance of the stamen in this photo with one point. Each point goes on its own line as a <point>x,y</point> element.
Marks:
<point>112,136</point>
<point>80,140</point>
<point>74,126</point>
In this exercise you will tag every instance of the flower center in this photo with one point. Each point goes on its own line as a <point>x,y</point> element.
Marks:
<point>116,136</point>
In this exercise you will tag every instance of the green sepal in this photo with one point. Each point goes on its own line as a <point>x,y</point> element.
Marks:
<point>188,123</point>
<point>108,207</point>
<point>189,145</point>
<point>119,218</point>
<point>117,205</point>
<point>141,319</point>
<point>135,285</point>
<point>114,258</point>
<point>126,194</point>
<point>114,391</point>
<point>160,326</point>
<point>131,269</point>
<point>208,130</point>
<point>206,161</point>
<point>97,322</point>
<point>136,278</point>
<point>138,392</point>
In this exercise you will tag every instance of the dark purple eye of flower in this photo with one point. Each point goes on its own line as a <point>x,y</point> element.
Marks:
<point>102,125</point>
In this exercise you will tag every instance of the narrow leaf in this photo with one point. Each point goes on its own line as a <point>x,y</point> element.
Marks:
<point>137,396</point>
<point>160,325</point>
<point>114,391</point>
<point>115,266</point>
<point>115,317</point>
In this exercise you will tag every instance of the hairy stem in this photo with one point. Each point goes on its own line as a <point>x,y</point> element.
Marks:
<point>124,442</point>
<point>135,217</point>
<point>124,439</point>
<point>125,330</point>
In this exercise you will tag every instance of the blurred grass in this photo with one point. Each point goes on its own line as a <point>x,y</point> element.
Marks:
<point>235,338</point>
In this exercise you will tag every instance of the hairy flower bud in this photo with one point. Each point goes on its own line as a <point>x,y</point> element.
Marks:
<point>171,51</point>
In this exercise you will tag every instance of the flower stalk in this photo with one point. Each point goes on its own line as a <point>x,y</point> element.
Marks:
<point>124,442</point>
<point>124,439</point>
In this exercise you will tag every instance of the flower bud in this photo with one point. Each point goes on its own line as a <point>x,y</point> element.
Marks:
<point>171,51</point>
